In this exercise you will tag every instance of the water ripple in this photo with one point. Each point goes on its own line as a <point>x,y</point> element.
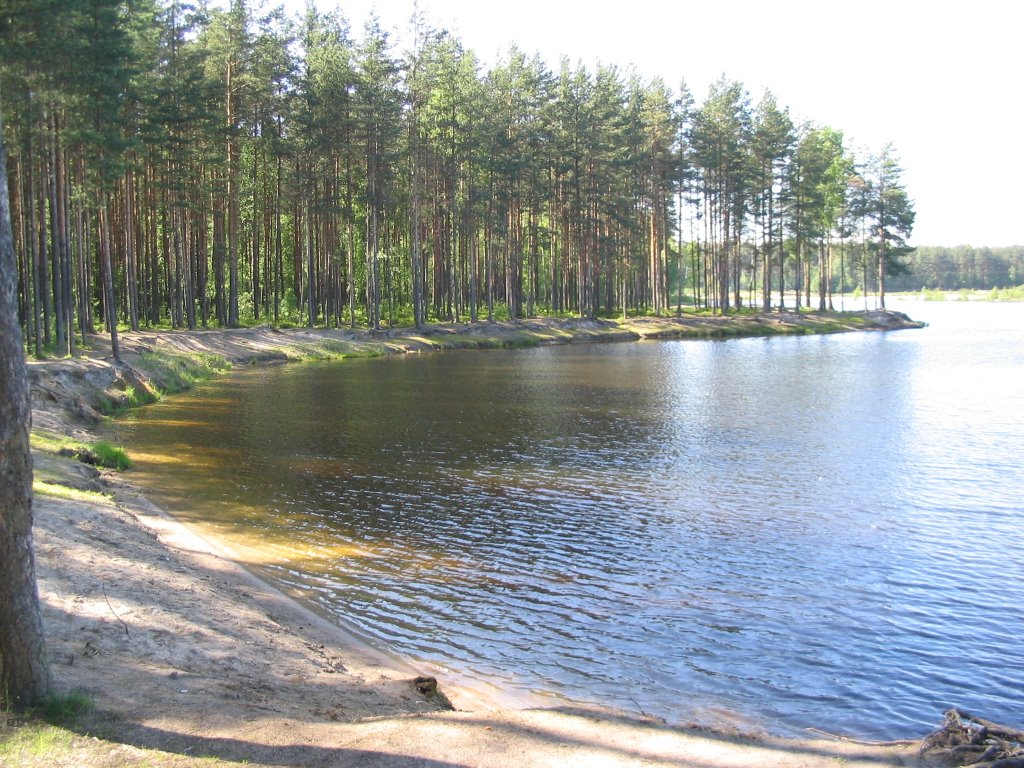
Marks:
<point>802,531</point>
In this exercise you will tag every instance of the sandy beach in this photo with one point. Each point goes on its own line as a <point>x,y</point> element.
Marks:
<point>186,655</point>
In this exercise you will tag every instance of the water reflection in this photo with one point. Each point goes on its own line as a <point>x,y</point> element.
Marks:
<point>797,529</point>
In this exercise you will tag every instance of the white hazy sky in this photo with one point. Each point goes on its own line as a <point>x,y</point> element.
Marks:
<point>944,83</point>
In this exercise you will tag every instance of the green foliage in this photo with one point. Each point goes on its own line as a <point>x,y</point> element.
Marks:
<point>1006,294</point>
<point>931,294</point>
<point>111,456</point>
<point>129,397</point>
<point>270,160</point>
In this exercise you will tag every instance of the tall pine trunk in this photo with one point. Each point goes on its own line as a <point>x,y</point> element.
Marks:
<point>107,279</point>
<point>24,676</point>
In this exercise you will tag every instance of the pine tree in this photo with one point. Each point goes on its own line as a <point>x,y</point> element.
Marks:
<point>891,214</point>
<point>378,104</point>
<point>720,137</point>
<point>771,145</point>
<point>24,676</point>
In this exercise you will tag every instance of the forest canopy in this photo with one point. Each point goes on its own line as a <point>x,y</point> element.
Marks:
<point>176,163</point>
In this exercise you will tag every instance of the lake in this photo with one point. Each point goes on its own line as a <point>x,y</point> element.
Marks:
<point>788,532</point>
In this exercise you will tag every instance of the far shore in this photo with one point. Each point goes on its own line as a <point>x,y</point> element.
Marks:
<point>184,654</point>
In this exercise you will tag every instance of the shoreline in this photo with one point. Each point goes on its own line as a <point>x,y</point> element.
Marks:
<point>183,648</point>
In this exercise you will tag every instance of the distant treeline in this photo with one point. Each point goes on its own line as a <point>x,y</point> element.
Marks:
<point>962,266</point>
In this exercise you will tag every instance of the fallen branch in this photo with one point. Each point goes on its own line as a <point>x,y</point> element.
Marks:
<point>123,622</point>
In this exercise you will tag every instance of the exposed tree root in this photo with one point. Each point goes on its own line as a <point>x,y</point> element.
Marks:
<point>968,740</point>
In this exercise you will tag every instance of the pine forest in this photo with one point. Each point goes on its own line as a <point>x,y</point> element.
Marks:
<point>175,164</point>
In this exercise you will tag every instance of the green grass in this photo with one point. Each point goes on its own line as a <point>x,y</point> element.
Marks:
<point>62,733</point>
<point>35,744</point>
<point>57,491</point>
<point>50,443</point>
<point>101,453</point>
<point>175,372</point>
<point>131,398</point>
<point>65,709</point>
<point>39,737</point>
<point>329,349</point>
<point>111,456</point>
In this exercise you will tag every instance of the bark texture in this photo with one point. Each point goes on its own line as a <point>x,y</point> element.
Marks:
<point>23,671</point>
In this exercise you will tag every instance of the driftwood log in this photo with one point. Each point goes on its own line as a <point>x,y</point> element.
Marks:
<point>964,739</point>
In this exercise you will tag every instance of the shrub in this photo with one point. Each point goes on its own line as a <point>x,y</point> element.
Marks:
<point>110,456</point>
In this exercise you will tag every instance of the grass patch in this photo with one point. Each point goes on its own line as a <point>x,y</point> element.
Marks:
<point>57,491</point>
<point>175,372</point>
<point>35,744</point>
<point>31,742</point>
<point>99,454</point>
<point>111,456</point>
<point>66,709</point>
<point>130,397</point>
<point>40,736</point>
<point>328,349</point>
<point>50,443</point>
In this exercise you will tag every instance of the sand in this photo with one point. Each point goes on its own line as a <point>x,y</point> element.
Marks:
<point>182,649</point>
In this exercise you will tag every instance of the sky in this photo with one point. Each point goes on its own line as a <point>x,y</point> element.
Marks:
<point>943,82</point>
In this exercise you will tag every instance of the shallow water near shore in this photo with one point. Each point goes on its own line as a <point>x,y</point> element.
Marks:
<point>800,531</point>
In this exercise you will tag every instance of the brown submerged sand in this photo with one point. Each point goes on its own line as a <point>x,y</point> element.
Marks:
<point>182,650</point>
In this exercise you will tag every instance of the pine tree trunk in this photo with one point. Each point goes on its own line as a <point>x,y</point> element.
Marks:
<point>219,252</point>
<point>56,240</point>
<point>234,212</point>
<point>107,278</point>
<point>63,200</point>
<point>881,274</point>
<point>822,275</point>
<point>24,676</point>
<point>154,252</point>
<point>43,299</point>
<point>310,285</point>
<point>798,275</point>
<point>131,251</point>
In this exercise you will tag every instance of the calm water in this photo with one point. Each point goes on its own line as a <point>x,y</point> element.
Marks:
<point>795,531</point>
